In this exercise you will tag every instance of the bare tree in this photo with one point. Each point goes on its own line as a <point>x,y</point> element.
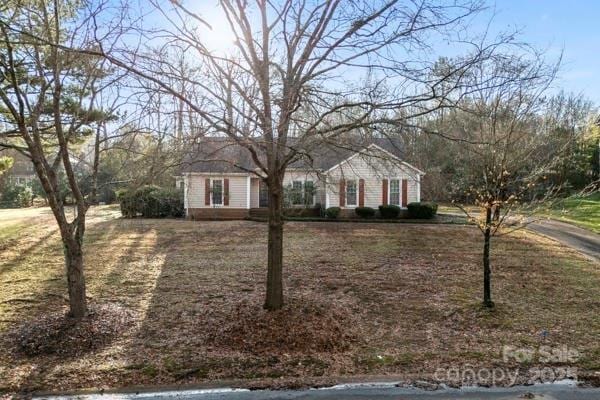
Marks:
<point>508,162</point>
<point>106,109</point>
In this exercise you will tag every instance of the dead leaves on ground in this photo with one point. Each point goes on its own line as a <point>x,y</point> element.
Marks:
<point>60,335</point>
<point>361,299</point>
<point>302,326</point>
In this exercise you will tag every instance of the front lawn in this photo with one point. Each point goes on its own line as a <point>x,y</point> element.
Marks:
<point>582,211</point>
<point>363,300</point>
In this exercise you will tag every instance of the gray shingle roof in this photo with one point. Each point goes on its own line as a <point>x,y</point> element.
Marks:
<point>217,155</point>
<point>223,155</point>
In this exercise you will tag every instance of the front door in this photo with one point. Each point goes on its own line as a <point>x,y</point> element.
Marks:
<point>263,194</point>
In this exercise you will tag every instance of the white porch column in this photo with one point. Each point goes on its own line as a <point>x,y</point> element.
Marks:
<point>187,186</point>
<point>326,194</point>
<point>248,184</point>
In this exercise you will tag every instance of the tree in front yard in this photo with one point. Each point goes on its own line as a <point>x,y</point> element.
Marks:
<point>506,163</point>
<point>47,109</point>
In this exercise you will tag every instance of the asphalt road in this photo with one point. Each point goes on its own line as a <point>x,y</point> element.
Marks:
<point>361,392</point>
<point>580,239</point>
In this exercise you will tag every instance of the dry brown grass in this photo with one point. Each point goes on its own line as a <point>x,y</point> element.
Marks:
<point>404,300</point>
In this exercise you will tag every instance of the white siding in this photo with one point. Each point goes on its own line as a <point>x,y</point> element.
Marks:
<point>194,190</point>
<point>373,170</point>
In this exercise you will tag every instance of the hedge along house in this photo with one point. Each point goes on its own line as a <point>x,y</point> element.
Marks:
<point>220,180</point>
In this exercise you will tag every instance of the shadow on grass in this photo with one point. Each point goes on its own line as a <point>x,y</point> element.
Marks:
<point>43,338</point>
<point>38,245</point>
<point>414,292</point>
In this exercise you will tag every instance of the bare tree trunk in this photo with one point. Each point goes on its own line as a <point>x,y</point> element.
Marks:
<point>496,217</point>
<point>274,298</point>
<point>487,284</point>
<point>596,170</point>
<point>75,278</point>
<point>95,166</point>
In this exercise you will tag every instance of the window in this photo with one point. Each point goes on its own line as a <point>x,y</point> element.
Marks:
<point>263,194</point>
<point>309,193</point>
<point>217,192</point>
<point>395,192</point>
<point>301,193</point>
<point>351,193</point>
<point>296,194</point>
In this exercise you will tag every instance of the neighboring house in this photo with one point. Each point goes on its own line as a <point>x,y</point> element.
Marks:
<point>21,172</point>
<point>219,180</point>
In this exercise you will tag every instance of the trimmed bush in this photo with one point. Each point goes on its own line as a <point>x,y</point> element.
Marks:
<point>365,212</point>
<point>389,211</point>
<point>127,203</point>
<point>163,203</point>
<point>333,212</point>
<point>16,196</point>
<point>151,202</point>
<point>422,210</point>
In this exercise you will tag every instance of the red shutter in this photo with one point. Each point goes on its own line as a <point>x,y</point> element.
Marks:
<point>207,192</point>
<point>361,192</point>
<point>404,192</point>
<point>342,193</point>
<point>384,192</point>
<point>225,192</point>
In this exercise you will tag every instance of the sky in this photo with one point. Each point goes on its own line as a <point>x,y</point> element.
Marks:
<point>571,26</point>
<point>568,26</point>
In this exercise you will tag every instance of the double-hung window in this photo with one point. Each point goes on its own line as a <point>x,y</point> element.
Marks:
<point>395,192</point>
<point>302,193</point>
<point>351,193</point>
<point>309,193</point>
<point>217,192</point>
<point>296,195</point>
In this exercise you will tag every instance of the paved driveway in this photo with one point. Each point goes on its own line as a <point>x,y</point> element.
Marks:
<point>580,239</point>
<point>583,240</point>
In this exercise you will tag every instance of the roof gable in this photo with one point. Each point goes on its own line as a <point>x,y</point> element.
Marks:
<point>378,148</point>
